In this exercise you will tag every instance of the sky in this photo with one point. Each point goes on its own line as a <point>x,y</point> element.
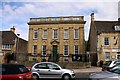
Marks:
<point>17,13</point>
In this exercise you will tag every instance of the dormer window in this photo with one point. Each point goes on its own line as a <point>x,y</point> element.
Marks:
<point>117,28</point>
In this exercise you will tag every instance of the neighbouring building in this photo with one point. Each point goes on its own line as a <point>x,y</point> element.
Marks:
<point>11,44</point>
<point>104,40</point>
<point>56,38</point>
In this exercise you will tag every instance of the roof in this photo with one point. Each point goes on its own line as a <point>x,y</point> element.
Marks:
<point>8,37</point>
<point>106,26</point>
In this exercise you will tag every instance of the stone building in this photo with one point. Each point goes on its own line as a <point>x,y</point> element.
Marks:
<point>50,37</point>
<point>104,40</point>
<point>11,43</point>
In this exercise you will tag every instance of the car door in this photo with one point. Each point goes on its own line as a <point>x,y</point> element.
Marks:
<point>54,71</point>
<point>42,70</point>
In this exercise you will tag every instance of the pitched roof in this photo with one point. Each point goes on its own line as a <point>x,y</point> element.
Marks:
<point>106,26</point>
<point>8,37</point>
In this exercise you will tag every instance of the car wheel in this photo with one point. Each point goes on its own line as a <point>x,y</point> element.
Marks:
<point>66,77</point>
<point>35,77</point>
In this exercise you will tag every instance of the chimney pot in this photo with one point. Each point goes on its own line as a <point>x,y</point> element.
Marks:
<point>13,29</point>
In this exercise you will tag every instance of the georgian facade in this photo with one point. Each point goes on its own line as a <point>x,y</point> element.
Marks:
<point>56,35</point>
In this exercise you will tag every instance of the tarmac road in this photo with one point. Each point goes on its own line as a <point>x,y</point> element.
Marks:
<point>83,74</point>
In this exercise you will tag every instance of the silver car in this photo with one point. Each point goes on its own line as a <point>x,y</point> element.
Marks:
<point>111,74</point>
<point>50,70</point>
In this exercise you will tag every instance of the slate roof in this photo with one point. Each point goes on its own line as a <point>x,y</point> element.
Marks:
<point>105,26</point>
<point>8,37</point>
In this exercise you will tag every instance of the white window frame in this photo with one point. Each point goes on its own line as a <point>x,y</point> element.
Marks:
<point>35,34</point>
<point>107,59</point>
<point>34,51</point>
<point>76,34</point>
<point>66,50</point>
<point>44,36</point>
<point>75,49</point>
<point>44,50</point>
<point>7,46</point>
<point>106,41</point>
<point>66,34</point>
<point>55,34</point>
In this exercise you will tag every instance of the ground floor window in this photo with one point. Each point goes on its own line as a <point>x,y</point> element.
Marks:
<point>107,55</point>
<point>44,50</point>
<point>76,49</point>
<point>65,50</point>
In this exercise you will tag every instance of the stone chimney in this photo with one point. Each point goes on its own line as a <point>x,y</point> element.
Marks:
<point>12,29</point>
<point>92,16</point>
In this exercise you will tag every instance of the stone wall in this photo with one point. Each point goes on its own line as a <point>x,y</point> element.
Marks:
<point>69,65</point>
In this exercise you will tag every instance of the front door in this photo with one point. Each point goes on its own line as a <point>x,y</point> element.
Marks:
<point>54,53</point>
<point>54,49</point>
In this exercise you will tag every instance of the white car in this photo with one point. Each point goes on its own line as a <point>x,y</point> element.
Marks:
<point>109,64</point>
<point>112,74</point>
<point>50,70</point>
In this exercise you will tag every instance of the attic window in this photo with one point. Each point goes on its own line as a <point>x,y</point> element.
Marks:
<point>117,28</point>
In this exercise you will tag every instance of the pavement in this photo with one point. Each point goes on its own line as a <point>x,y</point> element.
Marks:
<point>84,70</point>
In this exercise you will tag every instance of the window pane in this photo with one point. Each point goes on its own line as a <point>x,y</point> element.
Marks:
<point>76,34</point>
<point>35,48</point>
<point>44,34</point>
<point>35,34</point>
<point>44,50</point>
<point>107,55</point>
<point>55,34</point>
<point>76,49</point>
<point>65,49</point>
<point>66,34</point>
<point>106,41</point>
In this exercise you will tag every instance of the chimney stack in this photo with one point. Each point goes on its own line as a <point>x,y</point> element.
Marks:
<point>13,29</point>
<point>92,16</point>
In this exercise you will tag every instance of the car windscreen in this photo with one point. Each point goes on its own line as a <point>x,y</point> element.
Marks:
<point>16,69</point>
<point>107,63</point>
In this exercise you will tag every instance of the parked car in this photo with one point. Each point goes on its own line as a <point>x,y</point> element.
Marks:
<point>15,72</point>
<point>51,70</point>
<point>111,74</point>
<point>109,64</point>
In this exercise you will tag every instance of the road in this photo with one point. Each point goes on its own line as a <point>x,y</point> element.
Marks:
<point>83,74</point>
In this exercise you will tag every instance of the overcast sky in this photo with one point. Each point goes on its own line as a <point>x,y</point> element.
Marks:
<point>18,12</point>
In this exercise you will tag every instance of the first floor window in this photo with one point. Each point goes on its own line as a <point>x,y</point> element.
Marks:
<point>106,41</point>
<point>76,49</point>
<point>76,34</point>
<point>35,34</point>
<point>107,55</point>
<point>44,50</point>
<point>65,50</point>
<point>55,34</point>
<point>66,34</point>
<point>44,34</point>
